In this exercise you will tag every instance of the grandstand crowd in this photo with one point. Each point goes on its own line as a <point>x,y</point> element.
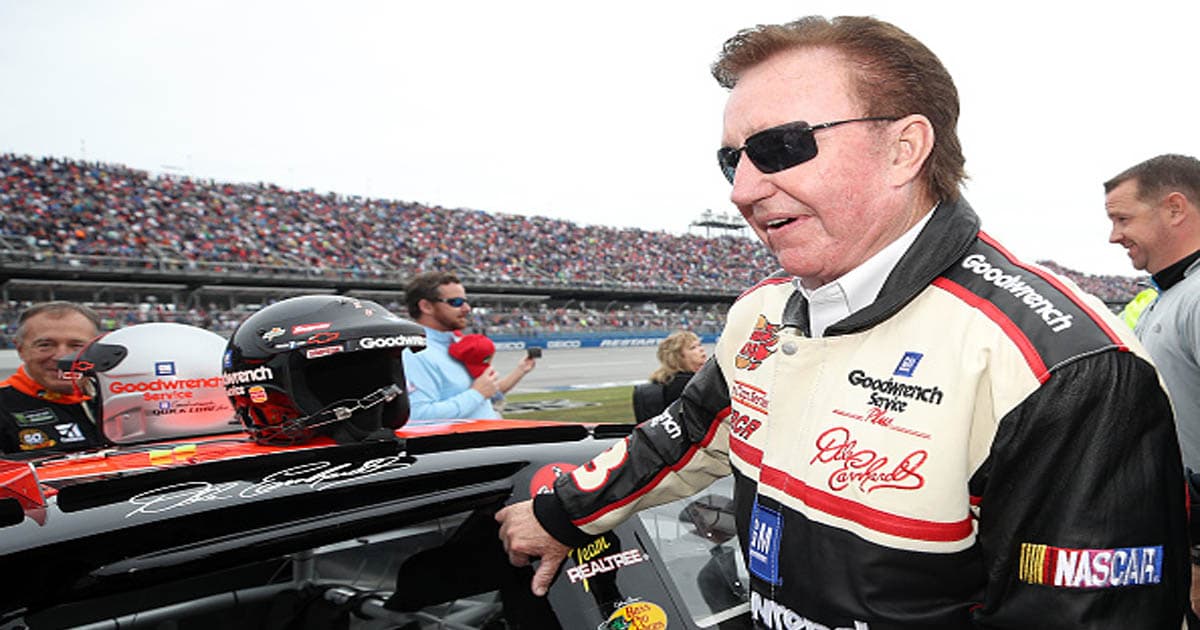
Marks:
<point>59,209</point>
<point>64,208</point>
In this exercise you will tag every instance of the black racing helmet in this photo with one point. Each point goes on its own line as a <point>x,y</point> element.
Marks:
<point>320,364</point>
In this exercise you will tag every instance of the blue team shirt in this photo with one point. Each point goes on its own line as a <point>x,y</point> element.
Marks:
<point>439,386</point>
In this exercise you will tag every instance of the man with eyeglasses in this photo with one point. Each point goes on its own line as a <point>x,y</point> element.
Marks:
<point>40,410</point>
<point>440,386</point>
<point>924,431</point>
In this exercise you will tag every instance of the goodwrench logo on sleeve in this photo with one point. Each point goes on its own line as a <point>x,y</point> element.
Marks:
<point>1013,283</point>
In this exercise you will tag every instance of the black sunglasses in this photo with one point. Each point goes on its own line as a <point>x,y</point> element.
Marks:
<point>455,302</point>
<point>779,148</point>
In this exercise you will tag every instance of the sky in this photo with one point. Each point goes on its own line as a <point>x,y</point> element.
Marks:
<point>597,113</point>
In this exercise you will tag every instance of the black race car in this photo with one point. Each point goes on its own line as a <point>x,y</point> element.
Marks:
<point>221,532</point>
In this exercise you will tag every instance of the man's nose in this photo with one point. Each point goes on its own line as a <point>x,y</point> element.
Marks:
<point>1114,236</point>
<point>747,183</point>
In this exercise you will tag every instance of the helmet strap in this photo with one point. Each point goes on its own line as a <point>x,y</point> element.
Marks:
<point>295,430</point>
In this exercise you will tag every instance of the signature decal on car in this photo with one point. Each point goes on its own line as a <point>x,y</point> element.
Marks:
<point>316,475</point>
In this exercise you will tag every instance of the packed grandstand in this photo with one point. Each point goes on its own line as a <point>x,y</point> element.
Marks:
<point>143,247</point>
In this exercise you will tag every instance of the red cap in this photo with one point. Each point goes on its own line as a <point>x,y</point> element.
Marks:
<point>475,352</point>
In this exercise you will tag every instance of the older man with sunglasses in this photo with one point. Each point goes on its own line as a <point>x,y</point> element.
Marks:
<point>925,431</point>
<point>440,385</point>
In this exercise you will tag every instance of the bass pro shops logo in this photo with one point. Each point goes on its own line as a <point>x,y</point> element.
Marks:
<point>761,345</point>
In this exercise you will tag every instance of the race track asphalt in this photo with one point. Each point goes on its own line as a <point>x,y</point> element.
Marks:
<point>560,369</point>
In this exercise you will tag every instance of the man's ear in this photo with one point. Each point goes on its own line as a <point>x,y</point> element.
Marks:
<point>426,306</point>
<point>912,145</point>
<point>1178,208</point>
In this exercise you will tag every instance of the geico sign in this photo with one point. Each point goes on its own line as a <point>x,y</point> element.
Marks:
<point>398,341</point>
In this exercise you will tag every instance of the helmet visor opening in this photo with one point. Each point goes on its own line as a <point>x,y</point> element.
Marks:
<point>348,376</point>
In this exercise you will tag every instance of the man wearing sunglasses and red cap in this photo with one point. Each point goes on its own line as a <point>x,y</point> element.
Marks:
<point>924,430</point>
<point>452,377</point>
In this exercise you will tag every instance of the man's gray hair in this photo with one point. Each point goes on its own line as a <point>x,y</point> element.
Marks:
<point>57,308</point>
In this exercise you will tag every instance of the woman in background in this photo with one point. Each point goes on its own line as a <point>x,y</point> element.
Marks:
<point>680,356</point>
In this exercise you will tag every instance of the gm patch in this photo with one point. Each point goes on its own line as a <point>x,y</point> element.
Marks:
<point>908,364</point>
<point>1090,568</point>
<point>766,529</point>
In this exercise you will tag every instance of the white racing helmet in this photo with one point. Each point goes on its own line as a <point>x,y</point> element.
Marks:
<point>156,381</point>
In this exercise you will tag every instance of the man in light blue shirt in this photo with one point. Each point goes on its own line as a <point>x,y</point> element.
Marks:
<point>439,386</point>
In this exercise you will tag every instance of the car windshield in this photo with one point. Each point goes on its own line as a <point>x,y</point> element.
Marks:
<point>697,540</point>
<point>448,572</point>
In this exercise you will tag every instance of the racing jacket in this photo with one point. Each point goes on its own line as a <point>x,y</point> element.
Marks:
<point>984,446</point>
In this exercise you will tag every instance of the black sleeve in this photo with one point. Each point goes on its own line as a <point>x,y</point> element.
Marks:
<point>674,389</point>
<point>1082,492</point>
<point>648,401</point>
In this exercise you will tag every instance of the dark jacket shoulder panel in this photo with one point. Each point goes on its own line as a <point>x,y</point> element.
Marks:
<point>1048,321</point>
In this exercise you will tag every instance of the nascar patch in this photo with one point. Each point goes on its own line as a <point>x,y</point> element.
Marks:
<point>1090,568</point>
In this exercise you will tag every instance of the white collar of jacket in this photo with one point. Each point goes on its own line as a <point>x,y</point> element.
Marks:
<point>860,286</point>
<point>948,232</point>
